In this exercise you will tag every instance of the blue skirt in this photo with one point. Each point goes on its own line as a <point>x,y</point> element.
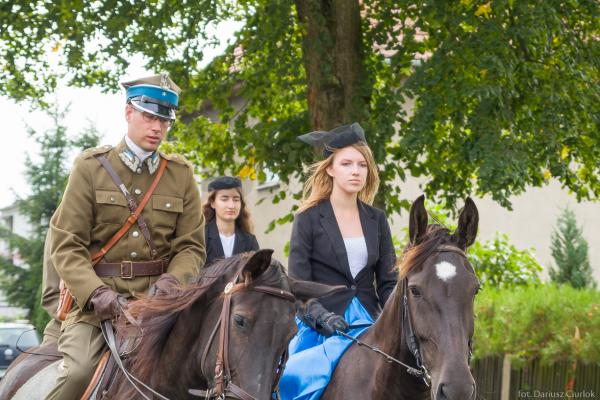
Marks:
<point>313,357</point>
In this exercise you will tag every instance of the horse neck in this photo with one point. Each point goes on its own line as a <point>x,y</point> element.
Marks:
<point>387,334</point>
<point>179,365</point>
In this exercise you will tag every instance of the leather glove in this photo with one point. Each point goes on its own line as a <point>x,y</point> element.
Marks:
<point>162,285</point>
<point>106,303</point>
<point>317,317</point>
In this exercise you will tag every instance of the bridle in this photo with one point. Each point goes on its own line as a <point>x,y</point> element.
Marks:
<point>409,334</point>
<point>223,385</point>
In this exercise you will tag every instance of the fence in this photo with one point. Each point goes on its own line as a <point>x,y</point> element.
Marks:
<point>498,380</point>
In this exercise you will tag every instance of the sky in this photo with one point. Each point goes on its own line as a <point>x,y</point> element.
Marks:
<point>86,106</point>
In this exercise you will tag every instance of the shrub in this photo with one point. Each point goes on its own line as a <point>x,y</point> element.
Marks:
<point>538,322</point>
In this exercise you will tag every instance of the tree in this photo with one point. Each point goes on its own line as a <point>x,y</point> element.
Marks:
<point>570,252</point>
<point>47,179</point>
<point>505,92</point>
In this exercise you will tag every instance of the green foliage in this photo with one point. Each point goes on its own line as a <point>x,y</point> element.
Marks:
<point>505,92</point>
<point>21,282</point>
<point>500,264</point>
<point>547,322</point>
<point>570,252</point>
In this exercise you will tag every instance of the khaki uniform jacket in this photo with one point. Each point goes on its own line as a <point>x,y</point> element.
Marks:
<point>50,281</point>
<point>93,209</point>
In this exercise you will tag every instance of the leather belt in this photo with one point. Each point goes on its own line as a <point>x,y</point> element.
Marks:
<point>131,269</point>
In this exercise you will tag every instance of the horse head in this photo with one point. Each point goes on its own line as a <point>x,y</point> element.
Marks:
<point>439,288</point>
<point>261,324</point>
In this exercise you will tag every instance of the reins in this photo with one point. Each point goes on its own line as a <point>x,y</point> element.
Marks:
<point>224,385</point>
<point>411,340</point>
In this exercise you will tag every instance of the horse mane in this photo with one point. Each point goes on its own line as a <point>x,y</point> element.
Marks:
<point>157,315</point>
<point>414,255</point>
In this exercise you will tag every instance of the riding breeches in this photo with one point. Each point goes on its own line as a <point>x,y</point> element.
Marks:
<point>51,332</point>
<point>82,346</point>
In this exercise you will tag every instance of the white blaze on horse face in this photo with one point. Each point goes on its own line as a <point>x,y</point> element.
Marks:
<point>445,270</point>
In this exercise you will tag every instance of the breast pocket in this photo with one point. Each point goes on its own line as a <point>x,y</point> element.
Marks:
<point>166,209</point>
<point>111,207</point>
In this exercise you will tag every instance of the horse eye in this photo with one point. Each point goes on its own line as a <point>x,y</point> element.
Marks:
<point>239,320</point>
<point>415,291</point>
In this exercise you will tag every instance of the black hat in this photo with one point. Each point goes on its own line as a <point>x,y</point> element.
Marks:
<point>337,138</point>
<point>225,182</point>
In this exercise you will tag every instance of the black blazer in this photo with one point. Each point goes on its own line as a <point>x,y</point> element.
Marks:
<point>244,241</point>
<point>318,253</point>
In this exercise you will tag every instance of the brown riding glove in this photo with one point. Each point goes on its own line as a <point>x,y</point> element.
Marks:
<point>162,285</point>
<point>106,303</point>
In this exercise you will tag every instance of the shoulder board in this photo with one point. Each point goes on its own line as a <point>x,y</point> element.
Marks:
<point>95,151</point>
<point>177,158</point>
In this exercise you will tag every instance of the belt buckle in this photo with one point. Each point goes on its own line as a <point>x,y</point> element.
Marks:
<point>123,270</point>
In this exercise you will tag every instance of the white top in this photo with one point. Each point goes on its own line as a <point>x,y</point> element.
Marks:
<point>137,150</point>
<point>358,255</point>
<point>227,243</point>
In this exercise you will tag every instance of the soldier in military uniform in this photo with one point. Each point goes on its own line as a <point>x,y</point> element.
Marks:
<point>94,208</point>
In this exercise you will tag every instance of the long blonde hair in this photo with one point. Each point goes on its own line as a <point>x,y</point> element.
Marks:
<point>319,185</point>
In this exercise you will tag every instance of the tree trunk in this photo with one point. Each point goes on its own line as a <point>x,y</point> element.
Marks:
<point>334,62</point>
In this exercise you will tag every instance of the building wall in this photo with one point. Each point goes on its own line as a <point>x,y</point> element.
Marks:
<point>20,226</point>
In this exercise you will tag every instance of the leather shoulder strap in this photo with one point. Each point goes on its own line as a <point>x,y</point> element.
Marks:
<point>96,257</point>
<point>131,203</point>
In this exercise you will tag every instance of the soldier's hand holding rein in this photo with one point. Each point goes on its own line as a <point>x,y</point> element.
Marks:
<point>106,303</point>
<point>162,285</point>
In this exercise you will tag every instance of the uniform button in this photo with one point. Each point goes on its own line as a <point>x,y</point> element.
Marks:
<point>139,171</point>
<point>353,287</point>
<point>133,254</point>
<point>168,205</point>
<point>112,199</point>
<point>135,234</point>
<point>137,191</point>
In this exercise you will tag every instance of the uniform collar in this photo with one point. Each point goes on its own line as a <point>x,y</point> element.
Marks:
<point>137,150</point>
<point>130,154</point>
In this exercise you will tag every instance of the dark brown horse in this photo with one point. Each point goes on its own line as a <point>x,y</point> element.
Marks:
<point>440,287</point>
<point>177,349</point>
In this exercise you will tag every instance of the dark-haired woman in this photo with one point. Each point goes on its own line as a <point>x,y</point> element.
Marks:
<point>228,229</point>
<point>338,238</point>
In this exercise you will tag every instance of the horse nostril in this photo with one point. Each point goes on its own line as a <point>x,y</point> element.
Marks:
<point>455,392</point>
<point>440,393</point>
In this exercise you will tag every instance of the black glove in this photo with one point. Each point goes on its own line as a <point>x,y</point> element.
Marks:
<point>106,303</point>
<point>317,317</point>
<point>162,285</point>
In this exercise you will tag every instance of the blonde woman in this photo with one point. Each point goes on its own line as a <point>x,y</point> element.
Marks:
<point>338,238</point>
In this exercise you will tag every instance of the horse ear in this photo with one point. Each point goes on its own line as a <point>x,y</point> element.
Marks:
<point>305,290</point>
<point>258,263</point>
<point>468,221</point>
<point>417,224</point>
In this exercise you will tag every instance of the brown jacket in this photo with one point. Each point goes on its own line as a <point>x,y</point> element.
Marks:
<point>93,209</point>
